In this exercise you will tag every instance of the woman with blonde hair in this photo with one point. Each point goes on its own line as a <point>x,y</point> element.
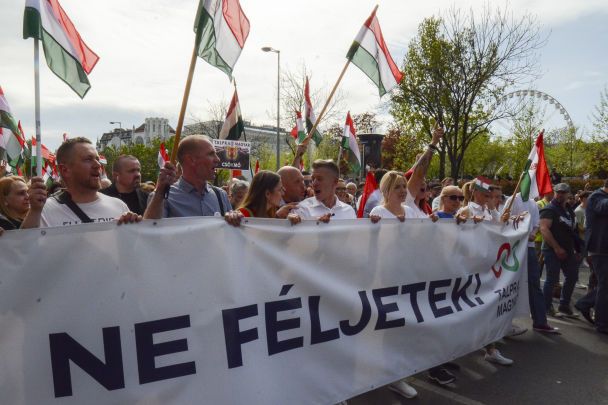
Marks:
<point>393,187</point>
<point>450,201</point>
<point>14,202</point>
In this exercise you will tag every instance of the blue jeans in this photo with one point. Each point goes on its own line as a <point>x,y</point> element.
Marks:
<point>600,266</point>
<point>538,310</point>
<point>570,269</point>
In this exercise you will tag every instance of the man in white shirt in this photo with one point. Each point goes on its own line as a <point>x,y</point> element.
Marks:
<point>325,205</point>
<point>81,201</point>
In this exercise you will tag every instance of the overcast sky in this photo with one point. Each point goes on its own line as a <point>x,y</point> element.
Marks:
<point>145,47</point>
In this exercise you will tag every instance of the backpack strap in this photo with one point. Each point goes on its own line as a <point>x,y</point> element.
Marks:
<point>63,197</point>
<point>218,194</point>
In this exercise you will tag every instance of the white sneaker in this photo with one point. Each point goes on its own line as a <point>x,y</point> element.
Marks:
<point>404,389</point>
<point>516,331</point>
<point>497,358</point>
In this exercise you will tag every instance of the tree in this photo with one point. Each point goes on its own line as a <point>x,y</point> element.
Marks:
<point>456,70</point>
<point>600,117</point>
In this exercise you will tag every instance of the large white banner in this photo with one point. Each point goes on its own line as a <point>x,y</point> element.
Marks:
<point>192,310</point>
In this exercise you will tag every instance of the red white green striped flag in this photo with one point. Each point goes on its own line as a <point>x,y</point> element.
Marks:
<point>66,53</point>
<point>163,156</point>
<point>221,29</point>
<point>298,132</point>
<point>536,181</point>
<point>370,54</point>
<point>11,140</point>
<point>309,113</point>
<point>350,146</point>
<point>233,126</point>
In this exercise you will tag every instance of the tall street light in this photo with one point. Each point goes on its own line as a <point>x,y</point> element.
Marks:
<point>270,49</point>
<point>117,122</point>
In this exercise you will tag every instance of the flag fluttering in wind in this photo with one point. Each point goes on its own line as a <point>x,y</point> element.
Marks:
<point>298,132</point>
<point>257,166</point>
<point>233,126</point>
<point>309,113</point>
<point>163,156</point>
<point>350,146</point>
<point>370,54</point>
<point>536,181</point>
<point>66,53</point>
<point>11,139</point>
<point>221,29</point>
<point>370,186</point>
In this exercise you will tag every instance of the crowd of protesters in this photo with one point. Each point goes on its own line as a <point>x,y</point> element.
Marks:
<point>565,232</point>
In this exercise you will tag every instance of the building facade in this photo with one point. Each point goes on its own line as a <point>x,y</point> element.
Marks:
<point>152,128</point>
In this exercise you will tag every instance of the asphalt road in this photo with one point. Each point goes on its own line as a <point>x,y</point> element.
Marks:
<point>570,368</point>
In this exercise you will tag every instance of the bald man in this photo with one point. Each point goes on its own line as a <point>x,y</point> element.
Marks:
<point>293,183</point>
<point>192,194</point>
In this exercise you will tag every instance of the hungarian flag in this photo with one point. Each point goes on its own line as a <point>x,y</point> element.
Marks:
<point>370,54</point>
<point>103,160</point>
<point>536,181</point>
<point>350,146</point>
<point>11,140</point>
<point>311,119</point>
<point>298,132</point>
<point>66,53</point>
<point>163,156</point>
<point>221,29</point>
<point>6,117</point>
<point>257,166</point>
<point>370,187</point>
<point>233,126</point>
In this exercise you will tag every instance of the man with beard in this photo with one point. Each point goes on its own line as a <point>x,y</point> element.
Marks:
<point>81,201</point>
<point>126,172</point>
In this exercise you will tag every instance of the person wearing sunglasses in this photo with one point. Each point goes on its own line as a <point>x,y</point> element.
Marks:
<point>450,201</point>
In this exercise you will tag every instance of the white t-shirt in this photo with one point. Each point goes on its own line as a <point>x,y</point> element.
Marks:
<point>416,211</point>
<point>436,203</point>
<point>311,208</point>
<point>483,212</point>
<point>104,209</point>
<point>383,212</point>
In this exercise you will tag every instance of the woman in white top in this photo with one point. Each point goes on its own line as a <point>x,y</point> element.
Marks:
<point>393,187</point>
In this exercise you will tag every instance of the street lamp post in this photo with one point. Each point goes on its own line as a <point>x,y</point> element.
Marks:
<point>278,52</point>
<point>119,136</point>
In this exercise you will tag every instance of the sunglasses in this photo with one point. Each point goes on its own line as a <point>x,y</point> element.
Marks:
<point>307,182</point>
<point>455,197</point>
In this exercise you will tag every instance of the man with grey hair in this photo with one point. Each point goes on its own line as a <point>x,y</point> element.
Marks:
<point>192,194</point>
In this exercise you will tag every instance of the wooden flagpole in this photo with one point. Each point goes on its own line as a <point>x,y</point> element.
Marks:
<point>182,113</point>
<point>331,95</point>
<point>507,212</point>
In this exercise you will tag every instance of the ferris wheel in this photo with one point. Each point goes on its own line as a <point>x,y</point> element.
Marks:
<point>549,113</point>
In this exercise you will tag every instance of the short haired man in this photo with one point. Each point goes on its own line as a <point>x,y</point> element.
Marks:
<point>293,183</point>
<point>352,189</point>
<point>192,194</point>
<point>325,204</point>
<point>558,228</point>
<point>126,173</point>
<point>81,201</point>
<point>596,239</point>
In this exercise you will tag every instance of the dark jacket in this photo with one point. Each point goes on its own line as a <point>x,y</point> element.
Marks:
<point>596,222</point>
<point>142,199</point>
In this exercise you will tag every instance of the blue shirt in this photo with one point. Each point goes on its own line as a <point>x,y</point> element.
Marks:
<point>442,214</point>
<point>185,201</point>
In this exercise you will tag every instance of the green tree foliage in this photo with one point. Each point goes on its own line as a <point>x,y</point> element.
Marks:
<point>147,156</point>
<point>456,69</point>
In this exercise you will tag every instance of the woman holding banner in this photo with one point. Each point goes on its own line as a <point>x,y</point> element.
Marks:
<point>264,198</point>
<point>393,187</point>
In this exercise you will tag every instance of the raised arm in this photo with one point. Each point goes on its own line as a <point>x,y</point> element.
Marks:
<point>422,165</point>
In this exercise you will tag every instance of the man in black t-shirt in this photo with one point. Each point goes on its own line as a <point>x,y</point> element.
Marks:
<point>560,247</point>
<point>126,175</point>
